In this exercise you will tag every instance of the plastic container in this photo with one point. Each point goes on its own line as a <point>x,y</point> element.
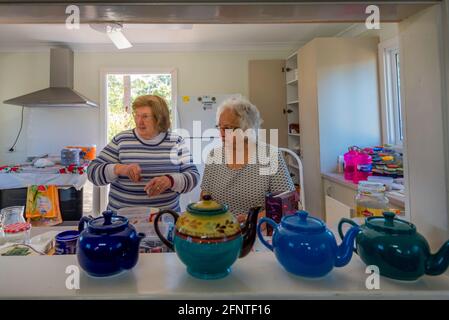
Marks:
<point>65,242</point>
<point>371,200</point>
<point>70,156</point>
<point>340,164</point>
<point>386,181</point>
<point>364,166</point>
<point>350,163</point>
<point>87,152</point>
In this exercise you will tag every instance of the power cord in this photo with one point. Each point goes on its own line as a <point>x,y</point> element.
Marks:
<point>18,135</point>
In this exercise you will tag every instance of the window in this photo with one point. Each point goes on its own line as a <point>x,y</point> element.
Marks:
<point>392,120</point>
<point>122,89</point>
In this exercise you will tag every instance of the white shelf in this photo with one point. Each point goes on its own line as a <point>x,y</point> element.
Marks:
<point>292,84</point>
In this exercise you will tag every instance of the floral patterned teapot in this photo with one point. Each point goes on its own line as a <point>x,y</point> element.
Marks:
<point>208,239</point>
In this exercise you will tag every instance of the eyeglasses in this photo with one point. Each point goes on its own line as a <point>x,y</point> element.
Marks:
<point>145,116</point>
<point>226,128</point>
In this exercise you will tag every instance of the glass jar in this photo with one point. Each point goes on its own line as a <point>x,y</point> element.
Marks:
<point>11,215</point>
<point>371,200</point>
<point>17,233</point>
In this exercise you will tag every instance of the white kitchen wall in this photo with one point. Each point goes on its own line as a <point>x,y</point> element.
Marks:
<point>388,31</point>
<point>348,96</point>
<point>50,129</point>
<point>20,73</point>
<point>339,106</point>
<point>420,44</point>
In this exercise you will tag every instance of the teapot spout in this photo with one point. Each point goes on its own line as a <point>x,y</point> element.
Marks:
<point>249,231</point>
<point>131,255</point>
<point>346,248</point>
<point>437,263</point>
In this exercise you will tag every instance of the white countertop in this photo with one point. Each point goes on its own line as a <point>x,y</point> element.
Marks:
<point>163,276</point>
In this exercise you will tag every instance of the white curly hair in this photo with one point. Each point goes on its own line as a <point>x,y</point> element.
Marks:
<point>248,114</point>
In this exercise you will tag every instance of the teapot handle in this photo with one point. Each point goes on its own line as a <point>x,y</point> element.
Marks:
<point>259,233</point>
<point>83,221</point>
<point>156,226</point>
<point>340,228</point>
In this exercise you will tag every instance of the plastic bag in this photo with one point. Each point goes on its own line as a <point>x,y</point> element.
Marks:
<point>42,208</point>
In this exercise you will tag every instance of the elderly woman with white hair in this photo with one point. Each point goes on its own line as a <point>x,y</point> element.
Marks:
<point>244,169</point>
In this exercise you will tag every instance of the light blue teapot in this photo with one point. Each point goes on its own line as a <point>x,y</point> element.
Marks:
<point>304,246</point>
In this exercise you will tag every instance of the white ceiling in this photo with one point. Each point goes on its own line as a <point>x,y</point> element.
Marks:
<point>160,37</point>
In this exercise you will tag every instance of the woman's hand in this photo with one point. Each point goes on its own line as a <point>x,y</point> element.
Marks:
<point>157,185</point>
<point>131,171</point>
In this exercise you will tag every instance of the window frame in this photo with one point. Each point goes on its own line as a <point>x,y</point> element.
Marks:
<point>391,102</point>
<point>104,72</point>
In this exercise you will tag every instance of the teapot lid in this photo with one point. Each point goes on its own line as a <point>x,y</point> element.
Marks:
<point>207,219</point>
<point>302,222</point>
<point>390,224</point>
<point>109,223</point>
<point>207,206</point>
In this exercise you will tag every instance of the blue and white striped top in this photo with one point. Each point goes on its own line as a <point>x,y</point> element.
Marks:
<point>167,154</point>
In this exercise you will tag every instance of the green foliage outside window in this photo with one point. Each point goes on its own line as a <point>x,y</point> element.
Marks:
<point>118,118</point>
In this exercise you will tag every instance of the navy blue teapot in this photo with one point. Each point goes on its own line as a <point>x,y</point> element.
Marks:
<point>109,245</point>
<point>304,246</point>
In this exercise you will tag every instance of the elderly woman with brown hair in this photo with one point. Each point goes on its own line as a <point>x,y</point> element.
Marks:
<point>148,165</point>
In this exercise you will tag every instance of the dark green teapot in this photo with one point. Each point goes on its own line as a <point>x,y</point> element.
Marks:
<point>396,248</point>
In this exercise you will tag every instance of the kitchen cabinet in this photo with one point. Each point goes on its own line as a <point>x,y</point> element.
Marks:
<point>336,210</point>
<point>70,201</point>
<point>13,188</point>
<point>338,106</point>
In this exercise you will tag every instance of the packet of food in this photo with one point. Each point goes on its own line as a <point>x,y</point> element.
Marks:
<point>42,208</point>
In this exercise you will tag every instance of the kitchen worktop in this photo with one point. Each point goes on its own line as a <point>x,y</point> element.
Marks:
<point>395,198</point>
<point>163,276</point>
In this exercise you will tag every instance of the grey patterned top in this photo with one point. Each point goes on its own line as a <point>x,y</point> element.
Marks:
<point>244,188</point>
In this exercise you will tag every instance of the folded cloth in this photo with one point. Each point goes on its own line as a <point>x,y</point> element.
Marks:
<point>81,169</point>
<point>42,163</point>
<point>10,169</point>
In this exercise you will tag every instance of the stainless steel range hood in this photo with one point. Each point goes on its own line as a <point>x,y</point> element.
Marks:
<point>60,93</point>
